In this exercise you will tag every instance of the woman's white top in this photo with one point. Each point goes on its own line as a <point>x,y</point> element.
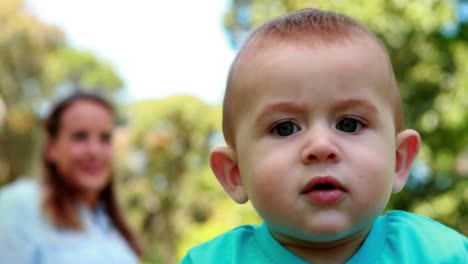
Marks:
<point>27,237</point>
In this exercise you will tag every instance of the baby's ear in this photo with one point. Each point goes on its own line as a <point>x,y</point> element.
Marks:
<point>408,143</point>
<point>224,165</point>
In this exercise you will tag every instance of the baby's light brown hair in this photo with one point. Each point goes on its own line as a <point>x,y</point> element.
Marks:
<point>309,27</point>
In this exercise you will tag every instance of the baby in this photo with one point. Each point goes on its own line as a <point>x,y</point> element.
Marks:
<point>312,118</point>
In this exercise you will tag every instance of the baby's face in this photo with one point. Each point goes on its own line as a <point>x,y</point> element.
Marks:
<point>315,142</point>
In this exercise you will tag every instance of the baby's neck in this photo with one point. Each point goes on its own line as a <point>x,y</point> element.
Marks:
<point>325,252</point>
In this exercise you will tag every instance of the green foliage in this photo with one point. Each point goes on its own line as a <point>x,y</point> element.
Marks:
<point>172,138</point>
<point>82,69</point>
<point>24,42</point>
<point>427,45</point>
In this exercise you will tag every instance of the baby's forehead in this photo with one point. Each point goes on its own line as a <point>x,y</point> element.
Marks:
<point>266,64</point>
<point>249,68</point>
<point>274,58</point>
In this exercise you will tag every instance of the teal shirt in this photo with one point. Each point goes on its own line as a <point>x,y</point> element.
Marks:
<point>26,237</point>
<point>397,237</point>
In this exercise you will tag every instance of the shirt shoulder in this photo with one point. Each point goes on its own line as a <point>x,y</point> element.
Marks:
<point>20,201</point>
<point>223,248</point>
<point>19,219</point>
<point>427,240</point>
<point>251,244</point>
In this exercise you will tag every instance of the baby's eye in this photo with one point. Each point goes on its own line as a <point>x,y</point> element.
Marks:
<point>285,128</point>
<point>349,125</point>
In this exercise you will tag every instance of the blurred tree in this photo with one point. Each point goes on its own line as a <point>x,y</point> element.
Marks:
<point>80,69</point>
<point>427,44</point>
<point>168,169</point>
<point>24,43</point>
<point>35,62</point>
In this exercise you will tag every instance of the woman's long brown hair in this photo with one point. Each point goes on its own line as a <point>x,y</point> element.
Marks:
<point>59,202</point>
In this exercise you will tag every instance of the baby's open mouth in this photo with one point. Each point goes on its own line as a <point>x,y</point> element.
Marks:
<point>322,183</point>
<point>326,186</point>
<point>324,189</point>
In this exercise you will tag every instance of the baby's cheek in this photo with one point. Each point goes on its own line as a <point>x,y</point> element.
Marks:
<point>376,179</point>
<point>270,183</point>
<point>266,177</point>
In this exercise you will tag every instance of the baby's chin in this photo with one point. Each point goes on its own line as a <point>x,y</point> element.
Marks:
<point>317,237</point>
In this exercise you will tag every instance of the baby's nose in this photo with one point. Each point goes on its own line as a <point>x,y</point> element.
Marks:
<point>320,147</point>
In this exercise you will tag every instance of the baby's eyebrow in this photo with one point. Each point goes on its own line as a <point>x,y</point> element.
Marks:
<point>290,107</point>
<point>295,107</point>
<point>355,103</point>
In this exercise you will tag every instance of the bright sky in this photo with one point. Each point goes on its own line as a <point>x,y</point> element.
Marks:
<point>159,48</point>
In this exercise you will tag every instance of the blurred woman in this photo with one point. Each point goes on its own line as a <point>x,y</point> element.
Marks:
<point>71,215</point>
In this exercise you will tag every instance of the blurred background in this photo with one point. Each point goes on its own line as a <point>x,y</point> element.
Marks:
<point>164,64</point>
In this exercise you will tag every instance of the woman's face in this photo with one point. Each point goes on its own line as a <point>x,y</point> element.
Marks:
<point>82,150</point>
